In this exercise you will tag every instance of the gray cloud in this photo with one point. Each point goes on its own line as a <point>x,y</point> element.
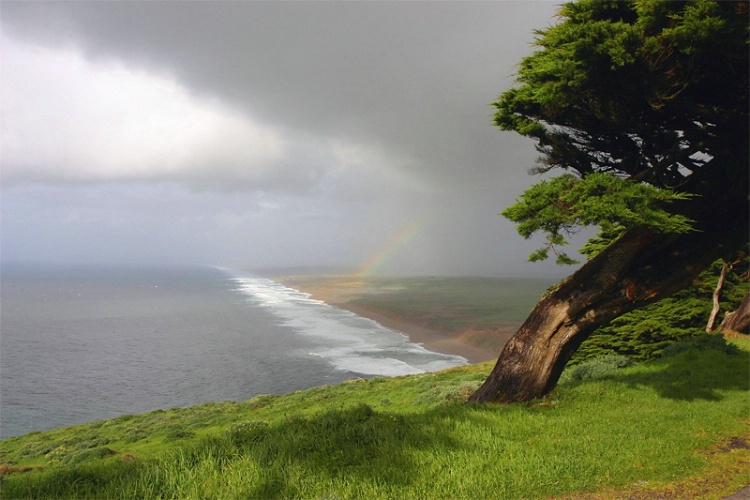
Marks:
<point>380,109</point>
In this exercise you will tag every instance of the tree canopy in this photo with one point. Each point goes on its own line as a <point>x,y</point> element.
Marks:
<point>644,105</point>
<point>652,93</point>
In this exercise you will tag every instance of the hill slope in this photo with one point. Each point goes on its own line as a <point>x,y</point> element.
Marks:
<point>672,428</point>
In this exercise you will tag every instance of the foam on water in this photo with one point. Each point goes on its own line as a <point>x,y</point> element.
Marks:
<point>345,340</point>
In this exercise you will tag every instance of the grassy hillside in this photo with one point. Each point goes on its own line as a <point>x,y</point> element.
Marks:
<point>675,427</point>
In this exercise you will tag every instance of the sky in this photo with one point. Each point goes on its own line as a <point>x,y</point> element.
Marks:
<point>351,135</point>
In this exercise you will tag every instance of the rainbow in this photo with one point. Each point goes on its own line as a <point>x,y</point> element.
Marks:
<point>402,237</point>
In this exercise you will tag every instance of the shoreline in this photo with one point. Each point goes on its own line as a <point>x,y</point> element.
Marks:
<point>338,294</point>
<point>429,339</point>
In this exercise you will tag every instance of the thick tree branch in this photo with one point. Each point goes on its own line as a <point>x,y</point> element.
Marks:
<point>642,266</point>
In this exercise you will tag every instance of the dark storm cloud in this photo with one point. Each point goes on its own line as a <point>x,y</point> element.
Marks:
<point>412,78</point>
<point>349,120</point>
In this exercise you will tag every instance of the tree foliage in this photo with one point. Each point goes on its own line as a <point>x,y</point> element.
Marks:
<point>558,206</point>
<point>644,333</point>
<point>653,93</point>
<point>644,105</point>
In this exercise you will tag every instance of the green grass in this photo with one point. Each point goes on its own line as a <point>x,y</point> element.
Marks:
<point>664,427</point>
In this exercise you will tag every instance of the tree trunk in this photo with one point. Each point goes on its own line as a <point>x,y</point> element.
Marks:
<point>717,295</point>
<point>639,268</point>
<point>739,320</point>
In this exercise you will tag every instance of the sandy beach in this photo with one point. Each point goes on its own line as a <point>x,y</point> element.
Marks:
<point>343,291</point>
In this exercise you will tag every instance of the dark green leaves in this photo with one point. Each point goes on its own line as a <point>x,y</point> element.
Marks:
<point>642,100</point>
<point>628,87</point>
<point>558,206</point>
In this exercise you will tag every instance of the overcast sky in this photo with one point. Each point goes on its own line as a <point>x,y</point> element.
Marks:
<point>265,134</point>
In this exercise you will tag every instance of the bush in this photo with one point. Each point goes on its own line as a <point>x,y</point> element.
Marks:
<point>644,334</point>
<point>263,400</point>
<point>702,342</point>
<point>89,454</point>
<point>178,433</point>
<point>601,367</point>
<point>247,433</point>
<point>447,393</point>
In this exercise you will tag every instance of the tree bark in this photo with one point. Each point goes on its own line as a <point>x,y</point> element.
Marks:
<point>642,266</point>
<point>739,320</point>
<point>717,295</point>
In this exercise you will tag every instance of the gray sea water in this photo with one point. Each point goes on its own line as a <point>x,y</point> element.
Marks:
<point>83,344</point>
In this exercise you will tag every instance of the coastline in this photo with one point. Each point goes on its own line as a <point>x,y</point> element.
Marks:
<point>430,339</point>
<point>340,291</point>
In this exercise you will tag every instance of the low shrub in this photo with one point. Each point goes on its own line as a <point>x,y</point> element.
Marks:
<point>701,342</point>
<point>597,368</point>
<point>87,454</point>
<point>247,433</point>
<point>447,393</point>
<point>178,433</point>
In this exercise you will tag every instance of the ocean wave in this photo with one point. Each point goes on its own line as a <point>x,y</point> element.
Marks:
<point>347,341</point>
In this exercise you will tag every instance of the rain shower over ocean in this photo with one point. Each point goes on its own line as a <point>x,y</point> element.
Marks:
<point>83,344</point>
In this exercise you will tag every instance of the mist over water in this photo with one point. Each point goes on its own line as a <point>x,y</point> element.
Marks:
<point>83,344</point>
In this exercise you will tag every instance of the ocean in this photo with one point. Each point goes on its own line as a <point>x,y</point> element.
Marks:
<point>81,344</point>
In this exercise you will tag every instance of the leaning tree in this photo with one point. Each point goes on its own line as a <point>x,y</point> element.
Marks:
<point>644,105</point>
